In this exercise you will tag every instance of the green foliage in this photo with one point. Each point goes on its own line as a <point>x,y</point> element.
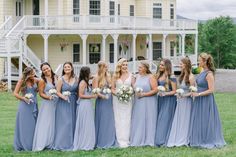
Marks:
<point>218,37</point>
<point>226,106</point>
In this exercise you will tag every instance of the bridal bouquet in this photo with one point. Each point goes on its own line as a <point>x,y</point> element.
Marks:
<point>67,94</point>
<point>106,91</point>
<point>138,90</point>
<point>29,96</point>
<point>124,93</point>
<point>193,89</point>
<point>161,89</point>
<point>96,90</point>
<point>53,92</point>
<point>179,92</point>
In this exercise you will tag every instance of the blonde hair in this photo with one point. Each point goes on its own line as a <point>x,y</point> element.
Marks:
<point>168,68</point>
<point>186,72</point>
<point>209,61</point>
<point>146,65</point>
<point>118,68</point>
<point>103,76</point>
<point>25,77</point>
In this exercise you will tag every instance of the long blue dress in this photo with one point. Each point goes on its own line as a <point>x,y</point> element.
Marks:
<point>26,121</point>
<point>205,124</point>
<point>180,127</point>
<point>165,114</point>
<point>45,126</point>
<point>65,118</point>
<point>144,115</point>
<point>104,123</point>
<point>85,127</point>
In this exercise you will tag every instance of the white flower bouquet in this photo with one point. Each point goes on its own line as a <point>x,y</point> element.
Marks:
<point>96,90</point>
<point>67,94</point>
<point>161,89</point>
<point>138,90</point>
<point>193,89</point>
<point>29,96</point>
<point>106,91</point>
<point>179,92</point>
<point>124,93</point>
<point>53,92</point>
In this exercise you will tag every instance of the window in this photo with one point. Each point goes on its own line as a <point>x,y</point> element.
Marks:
<point>112,11</point>
<point>157,11</point>
<point>94,7</point>
<point>131,10</point>
<point>111,50</point>
<point>76,10</point>
<point>94,53</point>
<point>118,9</point>
<point>76,53</point>
<point>157,50</point>
<point>172,48</point>
<point>172,13</point>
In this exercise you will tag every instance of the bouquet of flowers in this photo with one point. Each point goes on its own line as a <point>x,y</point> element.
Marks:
<point>179,92</point>
<point>29,96</point>
<point>138,90</point>
<point>124,93</point>
<point>161,89</point>
<point>53,92</point>
<point>67,94</point>
<point>96,90</point>
<point>106,91</point>
<point>193,89</point>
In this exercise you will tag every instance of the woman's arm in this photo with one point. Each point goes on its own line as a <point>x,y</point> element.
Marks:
<point>82,87</point>
<point>174,87</point>
<point>153,90</point>
<point>41,86</point>
<point>17,91</point>
<point>192,83</point>
<point>59,86</point>
<point>113,86</point>
<point>95,85</point>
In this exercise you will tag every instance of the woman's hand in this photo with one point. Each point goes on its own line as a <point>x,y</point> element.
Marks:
<point>26,100</point>
<point>194,94</point>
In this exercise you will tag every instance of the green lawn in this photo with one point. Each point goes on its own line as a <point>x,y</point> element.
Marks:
<point>226,105</point>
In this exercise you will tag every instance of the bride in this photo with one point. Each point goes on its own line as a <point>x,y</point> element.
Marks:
<point>122,111</point>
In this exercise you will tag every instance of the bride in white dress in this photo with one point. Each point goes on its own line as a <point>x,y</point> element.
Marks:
<point>122,111</point>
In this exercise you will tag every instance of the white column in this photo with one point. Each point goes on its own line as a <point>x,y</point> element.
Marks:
<point>150,48</point>
<point>134,52</point>
<point>9,72</point>
<point>104,36</point>
<point>180,46</point>
<point>46,13</point>
<point>115,37</point>
<point>183,44</point>
<point>25,43</point>
<point>164,45</point>
<point>84,38</point>
<point>196,47</point>
<point>20,58</point>
<point>45,37</point>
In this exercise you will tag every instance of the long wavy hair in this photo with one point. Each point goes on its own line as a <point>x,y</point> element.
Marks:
<point>52,73</point>
<point>103,76</point>
<point>209,61</point>
<point>168,69</point>
<point>147,67</point>
<point>26,77</point>
<point>84,75</point>
<point>72,71</point>
<point>118,68</point>
<point>186,71</point>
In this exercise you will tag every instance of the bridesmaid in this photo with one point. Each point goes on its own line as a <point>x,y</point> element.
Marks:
<point>104,115</point>
<point>27,110</point>
<point>166,102</point>
<point>66,109</point>
<point>44,131</point>
<point>180,126</point>
<point>85,127</point>
<point>205,125</point>
<point>144,116</point>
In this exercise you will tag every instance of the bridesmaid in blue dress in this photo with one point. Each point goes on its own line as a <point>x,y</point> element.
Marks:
<point>27,110</point>
<point>205,125</point>
<point>144,115</point>
<point>66,109</point>
<point>85,128</point>
<point>44,131</point>
<point>104,115</point>
<point>166,102</point>
<point>180,126</point>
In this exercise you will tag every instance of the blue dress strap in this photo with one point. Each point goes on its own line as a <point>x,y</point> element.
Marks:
<point>173,79</point>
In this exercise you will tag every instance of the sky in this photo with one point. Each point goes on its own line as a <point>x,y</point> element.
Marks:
<point>206,9</point>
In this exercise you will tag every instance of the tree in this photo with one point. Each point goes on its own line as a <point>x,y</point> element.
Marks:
<point>218,38</point>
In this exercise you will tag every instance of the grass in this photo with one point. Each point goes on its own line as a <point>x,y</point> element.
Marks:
<point>226,105</point>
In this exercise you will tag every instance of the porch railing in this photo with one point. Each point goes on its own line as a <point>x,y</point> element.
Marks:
<point>6,26</point>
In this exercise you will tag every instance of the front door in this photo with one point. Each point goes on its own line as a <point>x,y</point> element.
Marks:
<point>19,9</point>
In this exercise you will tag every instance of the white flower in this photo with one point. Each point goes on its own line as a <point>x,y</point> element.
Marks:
<point>138,90</point>
<point>193,89</point>
<point>96,90</point>
<point>66,93</point>
<point>52,91</point>
<point>106,91</point>
<point>180,91</point>
<point>29,95</point>
<point>161,88</point>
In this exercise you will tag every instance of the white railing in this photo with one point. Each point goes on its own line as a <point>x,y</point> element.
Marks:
<point>17,30</point>
<point>6,26</point>
<point>106,22</point>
